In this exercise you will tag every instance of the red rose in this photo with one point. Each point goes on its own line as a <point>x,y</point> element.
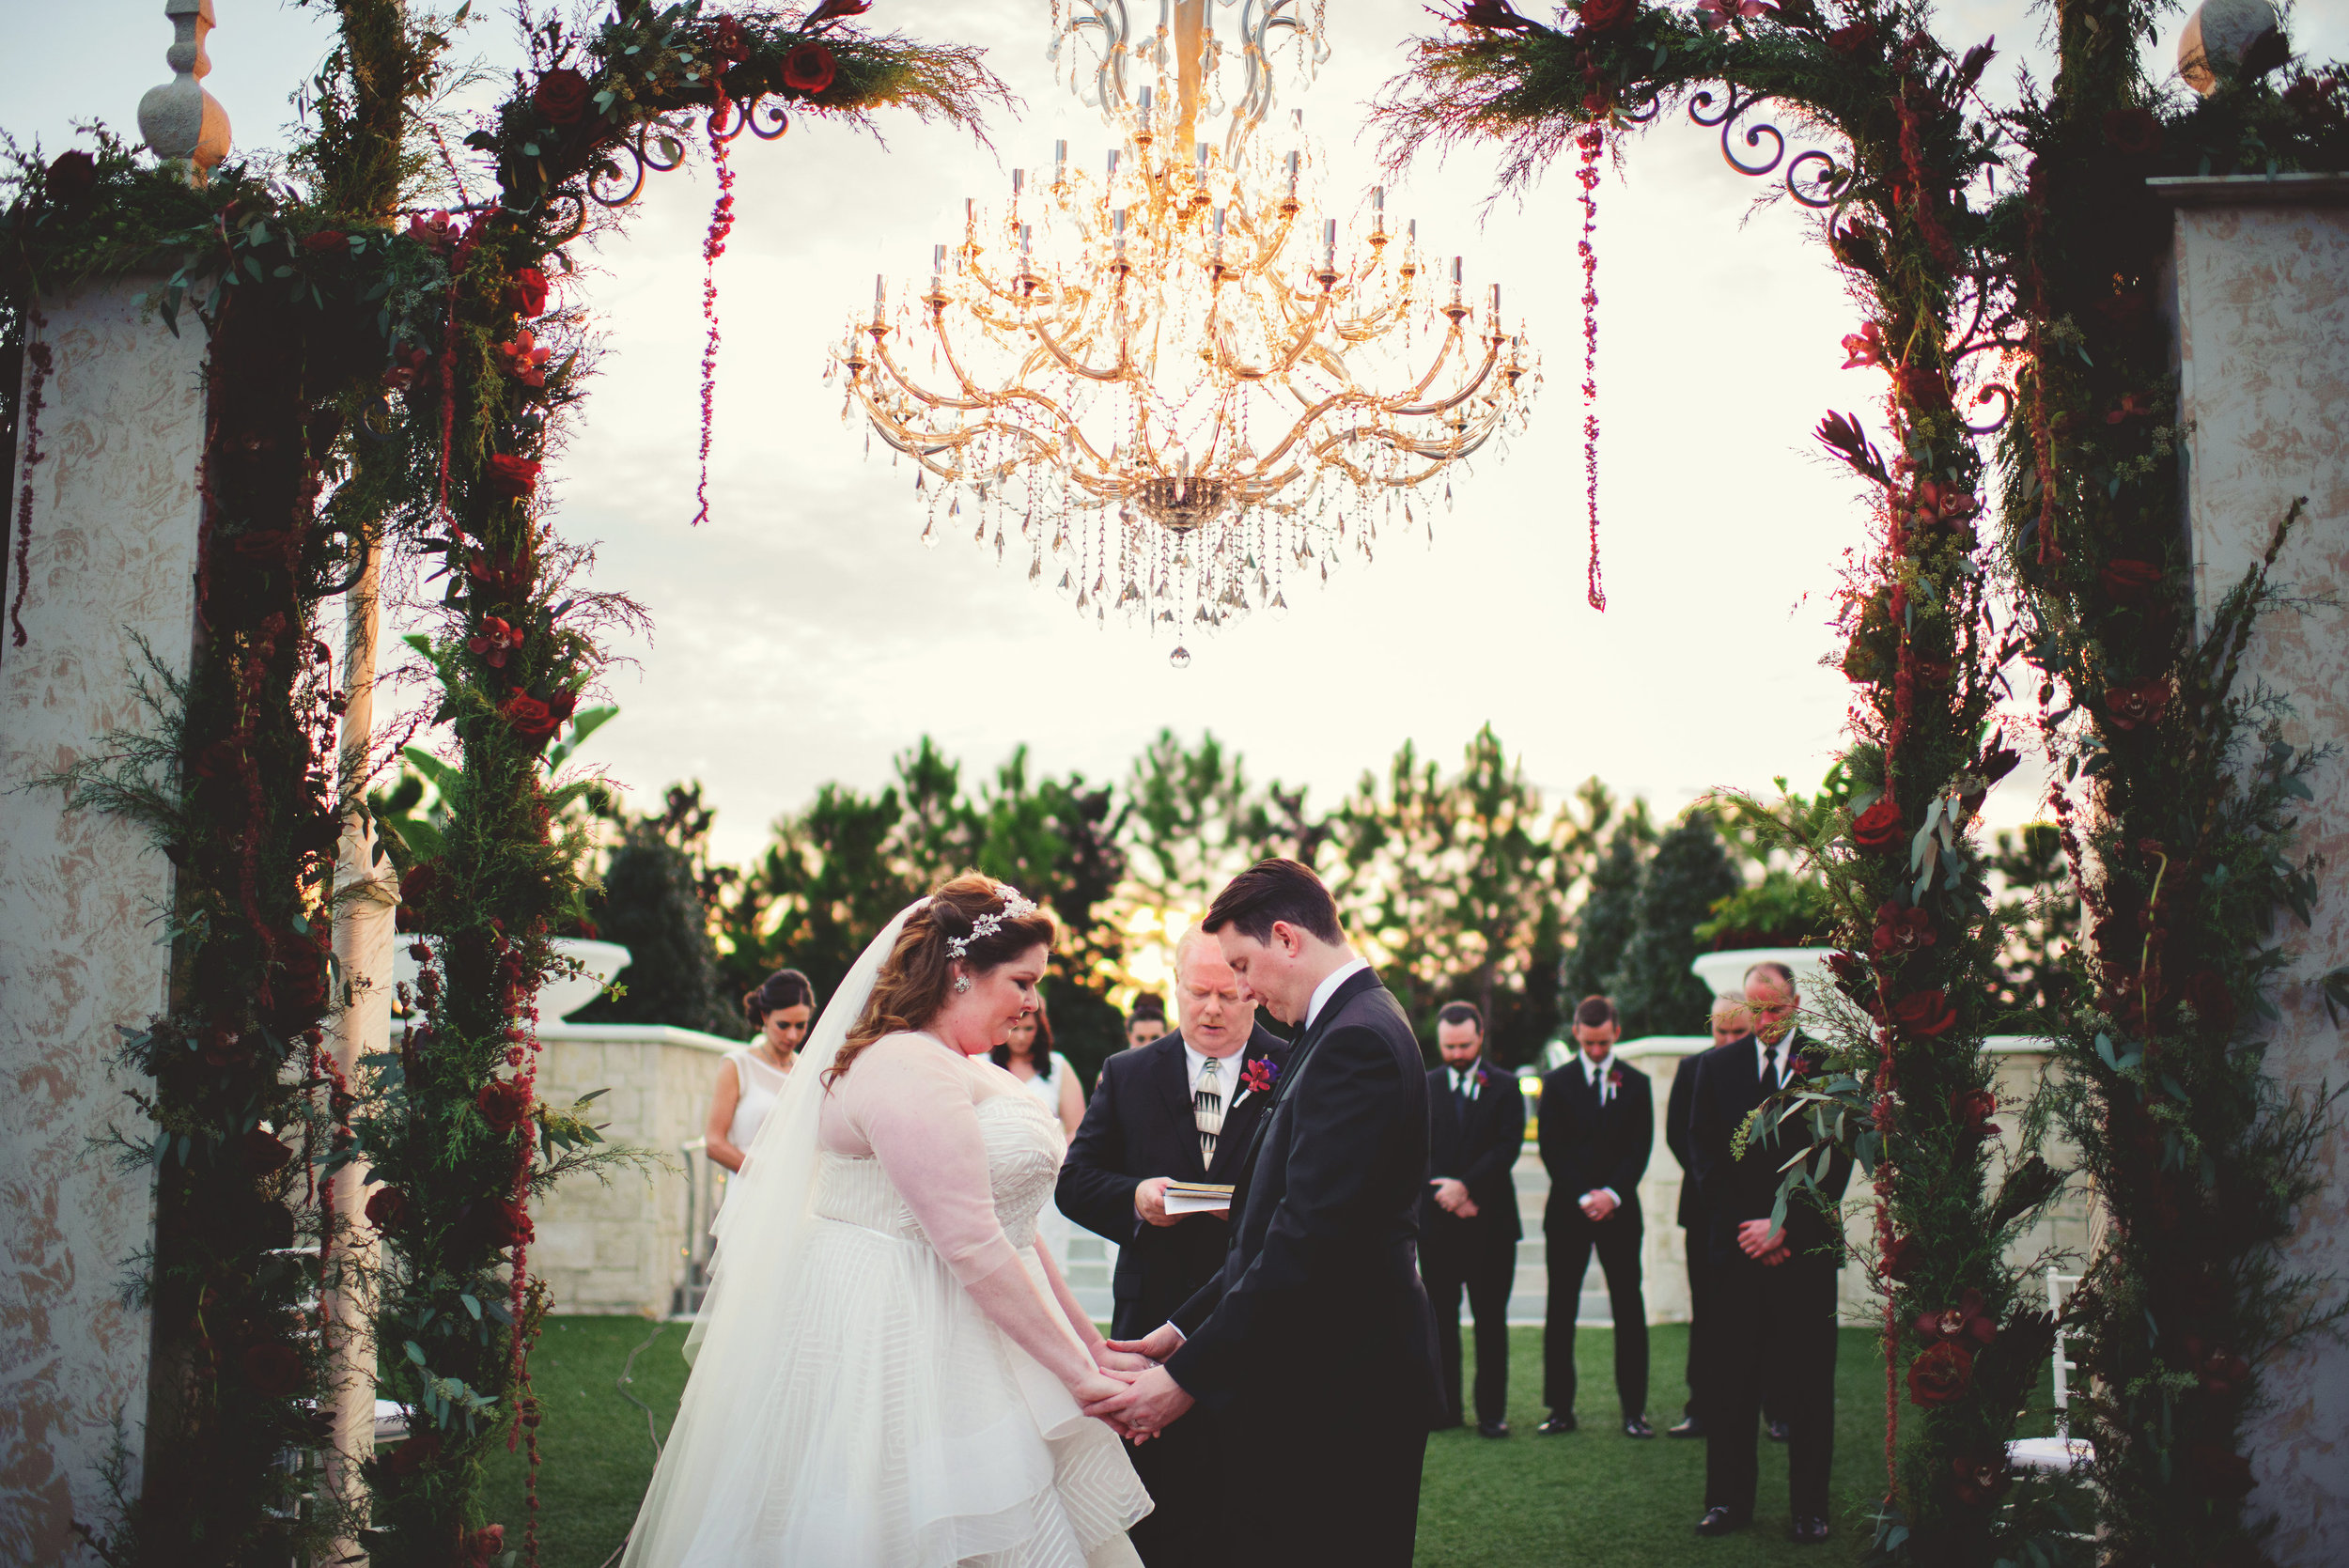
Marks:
<point>388,1207</point>
<point>264,1152</point>
<point>505,1104</point>
<point>809,68</point>
<point>273,1369</point>
<point>533,718</point>
<point>511,477</point>
<point>1605,16</point>
<point>561,96</point>
<point>1925,1014</point>
<point>1901,1257</point>
<point>2129,581</point>
<point>483,1545</point>
<point>729,43</point>
<point>412,1455</point>
<point>70,178</point>
<point>504,1224</point>
<point>2139,702</point>
<point>1973,1110</point>
<point>325,240</point>
<point>2217,1472</point>
<point>1900,930</point>
<point>1977,1481</point>
<point>526,292</point>
<point>1941,1375</point>
<point>2133,132</point>
<point>1852,40</point>
<point>1879,826</point>
<point>1965,1321</point>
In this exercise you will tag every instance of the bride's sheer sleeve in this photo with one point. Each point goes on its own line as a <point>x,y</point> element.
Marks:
<point>911,1100</point>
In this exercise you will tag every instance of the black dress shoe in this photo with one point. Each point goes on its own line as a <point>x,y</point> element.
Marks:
<point>1778,1431</point>
<point>1492,1429</point>
<point>1809,1531</point>
<point>1637,1426</point>
<point>1720,1521</point>
<point>1690,1428</point>
<point>1560,1421</point>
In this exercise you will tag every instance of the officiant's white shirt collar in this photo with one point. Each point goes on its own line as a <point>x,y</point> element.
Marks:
<point>1328,987</point>
<point>1226,1067</point>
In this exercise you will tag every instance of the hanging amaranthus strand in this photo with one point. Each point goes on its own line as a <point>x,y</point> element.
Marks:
<point>721,225</point>
<point>39,355</point>
<point>1591,141</point>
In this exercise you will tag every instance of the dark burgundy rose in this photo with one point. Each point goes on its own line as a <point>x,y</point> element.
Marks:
<point>1925,1014</point>
<point>2217,1472</point>
<point>482,1545</point>
<point>1902,1257</point>
<point>1607,16</point>
<point>1941,1375</point>
<point>2132,132</point>
<point>512,477</point>
<point>1977,1481</point>
<point>387,1208</point>
<point>561,96</point>
<point>1926,386</point>
<point>2138,702</point>
<point>412,1455</point>
<point>71,177</point>
<point>502,1224</point>
<point>1973,1110</point>
<point>1879,826</point>
<point>809,68</point>
<point>531,718</point>
<point>526,292</point>
<point>273,1369</point>
<point>2130,581</point>
<point>1965,1321</point>
<point>505,1104</point>
<point>325,241</point>
<point>264,1152</point>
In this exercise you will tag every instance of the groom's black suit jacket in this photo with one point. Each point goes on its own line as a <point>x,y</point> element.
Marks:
<point>1140,1125</point>
<point>1321,1284</point>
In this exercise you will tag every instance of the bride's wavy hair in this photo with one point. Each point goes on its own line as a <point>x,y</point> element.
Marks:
<point>918,975</point>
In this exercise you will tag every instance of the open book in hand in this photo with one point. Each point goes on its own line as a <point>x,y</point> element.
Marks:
<point>1197,1198</point>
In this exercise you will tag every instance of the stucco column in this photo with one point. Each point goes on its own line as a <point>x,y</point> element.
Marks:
<point>2261,275</point>
<point>103,487</point>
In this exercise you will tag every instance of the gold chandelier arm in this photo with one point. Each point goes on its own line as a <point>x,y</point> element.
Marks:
<point>916,391</point>
<point>1484,372</point>
<point>1121,371</point>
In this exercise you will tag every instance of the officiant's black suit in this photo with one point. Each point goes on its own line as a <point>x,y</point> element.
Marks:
<point>1474,1140</point>
<point>1585,1146</point>
<point>1762,1322</point>
<point>1140,1123</point>
<point>1314,1340</point>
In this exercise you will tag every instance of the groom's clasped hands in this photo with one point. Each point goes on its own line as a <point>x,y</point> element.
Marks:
<point>1148,1397</point>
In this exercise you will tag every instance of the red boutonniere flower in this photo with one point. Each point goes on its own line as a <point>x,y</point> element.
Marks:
<point>809,68</point>
<point>273,1369</point>
<point>1879,826</point>
<point>1965,1321</point>
<point>1941,1376</point>
<point>71,177</point>
<point>325,240</point>
<point>1863,348</point>
<point>1925,1014</point>
<point>511,477</point>
<point>387,1206</point>
<point>1900,930</point>
<point>561,96</point>
<point>2127,581</point>
<point>1259,1075</point>
<point>495,641</point>
<point>2139,702</point>
<point>526,292</point>
<point>2132,132</point>
<point>523,358</point>
<point>1614,1078</point>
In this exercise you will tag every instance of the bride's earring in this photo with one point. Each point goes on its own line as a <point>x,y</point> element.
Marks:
<point>963,983</point>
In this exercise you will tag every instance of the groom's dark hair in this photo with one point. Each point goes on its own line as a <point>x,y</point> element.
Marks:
<point>1275,890</point>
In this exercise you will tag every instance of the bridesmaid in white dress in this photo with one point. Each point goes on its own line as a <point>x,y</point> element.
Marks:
<point>891,1368</point>
<point>1027,1054</point>
<point>784,1008</point>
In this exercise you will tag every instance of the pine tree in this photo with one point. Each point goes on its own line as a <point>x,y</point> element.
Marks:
<point>657,892</point>
<point>1605,922</point>
<point>1655,992</point>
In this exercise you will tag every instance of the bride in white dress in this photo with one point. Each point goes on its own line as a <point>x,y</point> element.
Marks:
<point>889,1371</point>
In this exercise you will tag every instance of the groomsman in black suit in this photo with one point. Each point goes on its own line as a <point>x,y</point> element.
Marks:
<point>1176,1108</point>
<point>1597,1130</point>
<point>1467,1218</point>
<point>1730,1021</point>
<point>1771,1310</point>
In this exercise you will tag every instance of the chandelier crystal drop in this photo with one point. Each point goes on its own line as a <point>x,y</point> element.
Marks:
<point>1176,369</point>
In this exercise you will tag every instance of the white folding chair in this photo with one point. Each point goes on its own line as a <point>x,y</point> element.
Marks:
<point>2062,1454</point>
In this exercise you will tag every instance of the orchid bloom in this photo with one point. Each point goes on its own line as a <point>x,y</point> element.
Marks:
<point>524,360</point>
<point>1864,347</point>
<point>1719,13</point>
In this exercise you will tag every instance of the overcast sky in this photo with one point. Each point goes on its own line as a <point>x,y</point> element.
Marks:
<point>803,634</point>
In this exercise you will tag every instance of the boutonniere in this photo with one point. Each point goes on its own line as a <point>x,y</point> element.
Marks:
<point>1614,1078</point>
<point>1257,1078</point>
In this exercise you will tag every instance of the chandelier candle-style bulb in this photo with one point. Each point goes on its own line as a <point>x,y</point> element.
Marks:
<point>1132,372</point>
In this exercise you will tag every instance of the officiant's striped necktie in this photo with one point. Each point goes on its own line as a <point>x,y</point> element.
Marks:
<point>1207,1106</point>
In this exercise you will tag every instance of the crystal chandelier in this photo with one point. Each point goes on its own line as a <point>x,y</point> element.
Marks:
<point>1163,379</point>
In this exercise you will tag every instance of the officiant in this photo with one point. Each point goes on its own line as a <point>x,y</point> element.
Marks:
<point>1177,1108</point>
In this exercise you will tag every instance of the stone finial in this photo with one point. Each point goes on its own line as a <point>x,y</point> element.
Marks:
<point>182,121</point>
<point>2234,35</point>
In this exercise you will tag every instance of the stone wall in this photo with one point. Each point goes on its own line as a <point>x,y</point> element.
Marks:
<point>2262,291</point>
<point>112,561</point>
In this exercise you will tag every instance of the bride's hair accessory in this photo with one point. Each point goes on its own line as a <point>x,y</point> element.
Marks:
<point>963,983</point>
<point>1016,907</point>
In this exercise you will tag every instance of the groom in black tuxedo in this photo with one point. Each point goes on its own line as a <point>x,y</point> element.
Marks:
<point>1467,1218</point>
<point>1315,1342</point>
<point>1770,1310</point>
<point>1177,1108</point>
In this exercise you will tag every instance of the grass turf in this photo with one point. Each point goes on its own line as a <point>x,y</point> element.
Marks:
<point>1593,1499</point>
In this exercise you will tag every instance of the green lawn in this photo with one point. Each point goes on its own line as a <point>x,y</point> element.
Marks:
<point>1591,1499</point>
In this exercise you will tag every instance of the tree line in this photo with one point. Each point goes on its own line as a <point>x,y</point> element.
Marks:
<point>1463,882</point>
